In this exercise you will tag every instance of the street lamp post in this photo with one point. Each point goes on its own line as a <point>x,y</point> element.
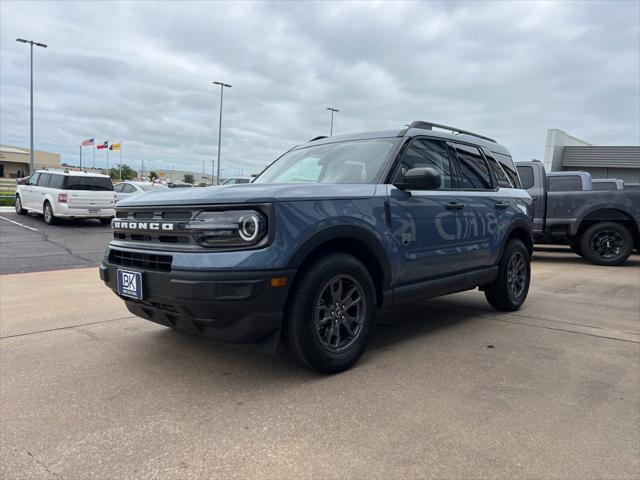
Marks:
<point>222,85</point>
<point>32,43</point>
<point>332,111</point>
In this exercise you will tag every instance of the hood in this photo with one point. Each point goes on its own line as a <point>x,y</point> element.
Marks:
<point>247,193</point>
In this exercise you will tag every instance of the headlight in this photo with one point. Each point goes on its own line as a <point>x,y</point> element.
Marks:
<point>231,228</point>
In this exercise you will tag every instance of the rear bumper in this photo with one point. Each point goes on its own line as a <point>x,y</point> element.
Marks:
<point>64,211</point>
<point>238,307</point>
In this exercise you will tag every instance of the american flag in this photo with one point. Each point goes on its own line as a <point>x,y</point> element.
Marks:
<point>86,143</point>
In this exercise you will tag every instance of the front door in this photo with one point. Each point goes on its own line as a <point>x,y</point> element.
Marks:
<point>426,224</point>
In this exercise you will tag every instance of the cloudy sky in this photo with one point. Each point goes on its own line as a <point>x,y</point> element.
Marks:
<point>141,73</point>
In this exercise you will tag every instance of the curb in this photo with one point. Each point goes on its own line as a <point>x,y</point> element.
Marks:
<point>7,209</point>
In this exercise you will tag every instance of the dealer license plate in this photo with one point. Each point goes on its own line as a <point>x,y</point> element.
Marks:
<point>130,284</point>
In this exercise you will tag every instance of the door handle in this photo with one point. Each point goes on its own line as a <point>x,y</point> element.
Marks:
<point>455,206</point>
<point>501,205</point>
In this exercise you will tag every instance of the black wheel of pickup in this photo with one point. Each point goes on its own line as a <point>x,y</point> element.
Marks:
<point>510,288</point>
<point>607,243</point>
<point>331,314</point>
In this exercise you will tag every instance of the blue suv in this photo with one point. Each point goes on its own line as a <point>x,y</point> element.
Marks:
<point>325,236</point>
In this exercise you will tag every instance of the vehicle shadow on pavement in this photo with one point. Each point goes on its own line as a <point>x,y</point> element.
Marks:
<point>567,256</point>
<point>210,358</point>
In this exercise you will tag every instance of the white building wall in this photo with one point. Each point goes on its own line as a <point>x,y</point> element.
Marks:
<point>556,141</point>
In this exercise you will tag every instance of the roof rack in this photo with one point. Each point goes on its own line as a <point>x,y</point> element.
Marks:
<point>429,126</point>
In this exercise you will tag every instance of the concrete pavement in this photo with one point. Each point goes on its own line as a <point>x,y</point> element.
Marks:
<point>448,389</point>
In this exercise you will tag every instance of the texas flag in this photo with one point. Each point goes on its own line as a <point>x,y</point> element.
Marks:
<point>104,145</point>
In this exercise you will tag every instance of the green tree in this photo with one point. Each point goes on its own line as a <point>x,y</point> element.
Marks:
<point>128,173</point>
<point>188,178</point>
<point>153,175</point>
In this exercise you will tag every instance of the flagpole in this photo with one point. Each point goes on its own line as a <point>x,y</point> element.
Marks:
<point>80,157</point>
<point>120,150</point>
<point>93,162</point>
<point>108,171</point>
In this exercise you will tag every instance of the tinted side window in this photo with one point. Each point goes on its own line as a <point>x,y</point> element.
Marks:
<point>474,170</point>
<point>509,168</point>
<point>425,152</point>
<point>128,188</point>
<point>118,187</point>
<point>498,172</point>
<point>43,181</point>
<point>569,183</point>
<point>73,182</point>
<point>526,176</point>
<point>56,181</point>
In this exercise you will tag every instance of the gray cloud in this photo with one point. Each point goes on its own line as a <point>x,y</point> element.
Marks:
<point>141,72</point>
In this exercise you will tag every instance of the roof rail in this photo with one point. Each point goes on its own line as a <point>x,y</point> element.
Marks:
<point>429,126</point>
<point>318,138</point>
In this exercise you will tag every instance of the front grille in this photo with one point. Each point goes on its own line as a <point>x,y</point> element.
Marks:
<point>156,237</point>
<point>145,261</point>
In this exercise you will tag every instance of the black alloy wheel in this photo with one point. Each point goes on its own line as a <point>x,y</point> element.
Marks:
<point>339,313</point>
<point>607,243</point>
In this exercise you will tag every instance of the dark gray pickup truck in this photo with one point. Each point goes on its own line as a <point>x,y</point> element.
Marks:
<point>601,226</point>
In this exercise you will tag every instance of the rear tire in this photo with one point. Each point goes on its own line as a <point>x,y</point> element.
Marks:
<point>49,217</point>
<point>18,206</point>
<point>607,243</point>
<point>331,314</point>
<point>510,288</point>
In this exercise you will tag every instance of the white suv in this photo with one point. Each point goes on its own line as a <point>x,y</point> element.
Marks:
<point>66,194</point>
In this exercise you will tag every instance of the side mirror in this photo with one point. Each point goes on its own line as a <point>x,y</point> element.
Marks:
<point>425,178</point>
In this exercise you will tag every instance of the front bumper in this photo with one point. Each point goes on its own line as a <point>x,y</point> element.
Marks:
<point>238,307</point>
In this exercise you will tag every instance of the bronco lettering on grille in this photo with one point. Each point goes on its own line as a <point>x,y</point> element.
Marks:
<point>143,226</point>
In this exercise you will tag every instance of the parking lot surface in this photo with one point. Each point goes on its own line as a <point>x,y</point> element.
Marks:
<point>448,389</point>
<point>27,244</point>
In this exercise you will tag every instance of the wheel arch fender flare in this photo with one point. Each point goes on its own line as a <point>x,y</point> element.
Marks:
<point>347,233</point>
<point>520,228</point>
<point>604,214</point>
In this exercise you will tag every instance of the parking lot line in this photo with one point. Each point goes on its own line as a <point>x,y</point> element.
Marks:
<point>18,223</point>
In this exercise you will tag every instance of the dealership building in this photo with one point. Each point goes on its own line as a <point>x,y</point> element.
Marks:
<point>14,161</point>
<point>565,152</point>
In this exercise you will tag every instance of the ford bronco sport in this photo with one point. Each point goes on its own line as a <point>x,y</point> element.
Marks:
<point>326,235</point>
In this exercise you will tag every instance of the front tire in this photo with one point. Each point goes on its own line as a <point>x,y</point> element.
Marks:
<point>331,314</point>
<point>49,217</point>
<point>510,288</point>
<point>607,243</point>
<point>18,206</point>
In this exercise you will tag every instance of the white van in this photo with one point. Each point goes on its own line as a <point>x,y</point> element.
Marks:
<point>66,194</point>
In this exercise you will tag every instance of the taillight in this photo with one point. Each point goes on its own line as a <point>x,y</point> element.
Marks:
<point>62,198</point>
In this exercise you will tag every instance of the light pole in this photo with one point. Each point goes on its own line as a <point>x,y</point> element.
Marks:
<point>222,85</point>
<point>332,111</point>
<point>32,43</point>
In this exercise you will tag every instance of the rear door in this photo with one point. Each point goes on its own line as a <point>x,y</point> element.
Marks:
<point>425,224</point>
<point>91,193</point>
<point>482,206</point>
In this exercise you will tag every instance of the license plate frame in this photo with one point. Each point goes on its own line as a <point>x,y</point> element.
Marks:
<point>130,284</point>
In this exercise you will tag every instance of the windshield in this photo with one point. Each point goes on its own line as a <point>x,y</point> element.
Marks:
<point>358,161</point>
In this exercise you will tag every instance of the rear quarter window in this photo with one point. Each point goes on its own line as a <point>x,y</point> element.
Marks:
<point>73,182</point>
